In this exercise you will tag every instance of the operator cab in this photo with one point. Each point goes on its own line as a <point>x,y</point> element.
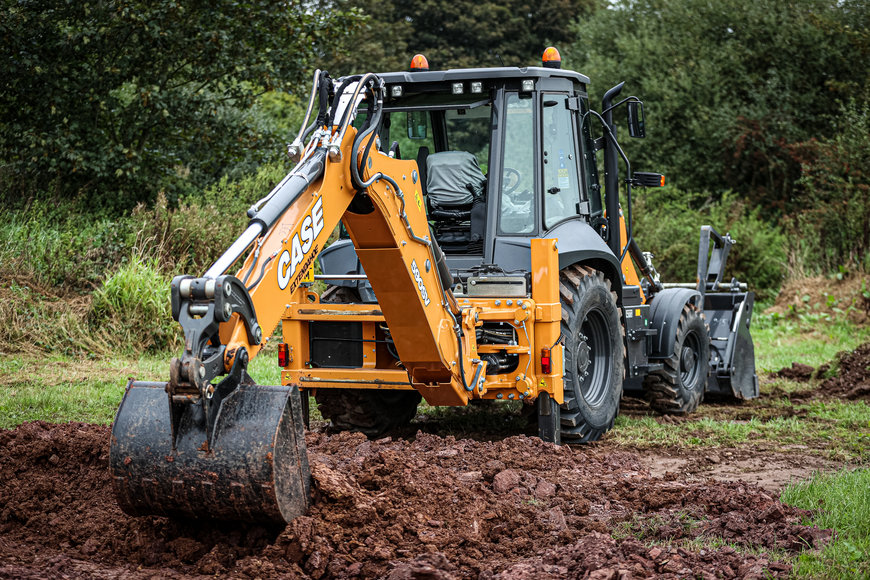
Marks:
<point>516,132</point>
<point>504,156</point>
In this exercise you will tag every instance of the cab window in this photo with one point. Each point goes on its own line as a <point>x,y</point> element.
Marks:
<point>559,158</point>
<point>517,199</point>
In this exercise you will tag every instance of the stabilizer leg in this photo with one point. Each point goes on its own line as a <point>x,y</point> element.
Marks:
<point>549,419</point>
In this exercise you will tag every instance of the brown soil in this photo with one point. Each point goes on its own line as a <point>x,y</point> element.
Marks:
<point>851,381</point>
<point>824,295</point>
<point>432,508</point>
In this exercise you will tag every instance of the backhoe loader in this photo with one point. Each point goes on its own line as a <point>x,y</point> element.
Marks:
<point>479,259</point>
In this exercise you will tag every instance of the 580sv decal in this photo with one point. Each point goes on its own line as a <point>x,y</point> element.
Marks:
<point>419,279</point>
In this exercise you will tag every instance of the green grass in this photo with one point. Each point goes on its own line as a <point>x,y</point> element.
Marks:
<point>838,430</point>
<point>841,501</point>
<point>780,342</point>
<point>59,388</point>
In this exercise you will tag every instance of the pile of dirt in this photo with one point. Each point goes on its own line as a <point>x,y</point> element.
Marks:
<point>851,383</point>
<point>434,508</point>
<point>853,376</point>
<point>821,295</point>
<point>796,372</point>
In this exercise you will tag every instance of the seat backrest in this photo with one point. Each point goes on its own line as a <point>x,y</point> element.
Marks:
<point>422,156</point>
<point>451,176</point>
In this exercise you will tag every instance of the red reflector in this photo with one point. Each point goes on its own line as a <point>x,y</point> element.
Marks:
<point>283,354</point>
<point>546,361</point>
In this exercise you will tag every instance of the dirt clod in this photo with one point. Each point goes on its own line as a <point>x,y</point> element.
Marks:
<point>796,372</point>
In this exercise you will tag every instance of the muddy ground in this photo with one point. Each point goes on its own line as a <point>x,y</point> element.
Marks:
<point>427,506</point>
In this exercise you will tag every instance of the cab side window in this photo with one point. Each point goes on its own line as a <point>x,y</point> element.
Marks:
<point>517,199</point>
<point>561,178</point>
<point>590,162</point>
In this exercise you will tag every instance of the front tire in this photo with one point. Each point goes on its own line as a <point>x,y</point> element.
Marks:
<point>594,361</point>
<point>678,388</point>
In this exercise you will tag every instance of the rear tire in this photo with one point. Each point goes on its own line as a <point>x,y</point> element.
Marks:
<point>679,387</point>
<point>373,412</point>
<point>593,346</point>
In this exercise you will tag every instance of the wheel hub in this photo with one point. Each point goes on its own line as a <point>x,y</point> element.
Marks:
<point>583,357</point>
<point>687,359</point>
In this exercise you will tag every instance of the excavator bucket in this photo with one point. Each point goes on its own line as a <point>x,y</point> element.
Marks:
<point>255,469</point>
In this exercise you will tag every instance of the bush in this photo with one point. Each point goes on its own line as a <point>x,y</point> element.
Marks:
<point>132,308</point>
<point>667,222</point>
<point>58,243</point>
<point>189,238</point>
<point>832,230</point>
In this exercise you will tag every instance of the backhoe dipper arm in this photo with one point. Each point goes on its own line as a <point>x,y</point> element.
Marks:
<point>225,317</point>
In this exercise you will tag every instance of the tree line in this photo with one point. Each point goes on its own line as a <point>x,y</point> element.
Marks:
<point>114,101</point>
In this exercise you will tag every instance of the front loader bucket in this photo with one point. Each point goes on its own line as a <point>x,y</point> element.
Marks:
<point>255,470</point>
<point>732,352</point>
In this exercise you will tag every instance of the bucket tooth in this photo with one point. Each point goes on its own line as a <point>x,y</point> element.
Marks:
<point>256,468</point>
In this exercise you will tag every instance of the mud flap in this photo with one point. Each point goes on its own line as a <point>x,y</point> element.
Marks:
<point>256,470</point>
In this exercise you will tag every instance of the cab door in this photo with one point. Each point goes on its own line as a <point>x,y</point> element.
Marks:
<point>560,158</point>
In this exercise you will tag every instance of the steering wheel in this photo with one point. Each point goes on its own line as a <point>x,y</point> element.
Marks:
<point>508,174</point>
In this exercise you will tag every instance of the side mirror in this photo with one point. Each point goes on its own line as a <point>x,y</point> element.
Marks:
<point>417,123</point>
<point>645,179</point>
<point>636,126</point>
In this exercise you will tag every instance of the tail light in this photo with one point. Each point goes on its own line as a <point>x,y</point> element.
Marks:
<point>283,354</point>
<point>546,361</point>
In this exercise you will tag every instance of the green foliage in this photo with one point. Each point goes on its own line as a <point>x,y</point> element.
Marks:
<point>61,243</point>
<point>667,223</point>
<point>36,318</point>
<point>454,34</point>
<point>123,99</point>
<point>730,87</point>
<point>840,501</point>
<point>836,186</point>
<point>132,309</point>
<point>188,238</point>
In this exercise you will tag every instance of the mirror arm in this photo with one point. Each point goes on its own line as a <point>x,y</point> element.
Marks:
<point>632,99</point>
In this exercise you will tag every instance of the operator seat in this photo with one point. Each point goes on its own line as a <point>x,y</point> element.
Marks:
<point>456,196</point>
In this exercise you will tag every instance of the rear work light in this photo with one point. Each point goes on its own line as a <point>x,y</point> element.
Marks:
<point>283,354</point>
<point>546,361</point>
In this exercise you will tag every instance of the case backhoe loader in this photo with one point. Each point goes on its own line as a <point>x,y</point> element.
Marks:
<point>479,259</point>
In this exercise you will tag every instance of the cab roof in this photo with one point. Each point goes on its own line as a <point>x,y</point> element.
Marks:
<point>467,74</point>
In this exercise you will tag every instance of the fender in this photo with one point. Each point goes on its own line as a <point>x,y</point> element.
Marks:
<point>665,310</point>
<point>578,243</point>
